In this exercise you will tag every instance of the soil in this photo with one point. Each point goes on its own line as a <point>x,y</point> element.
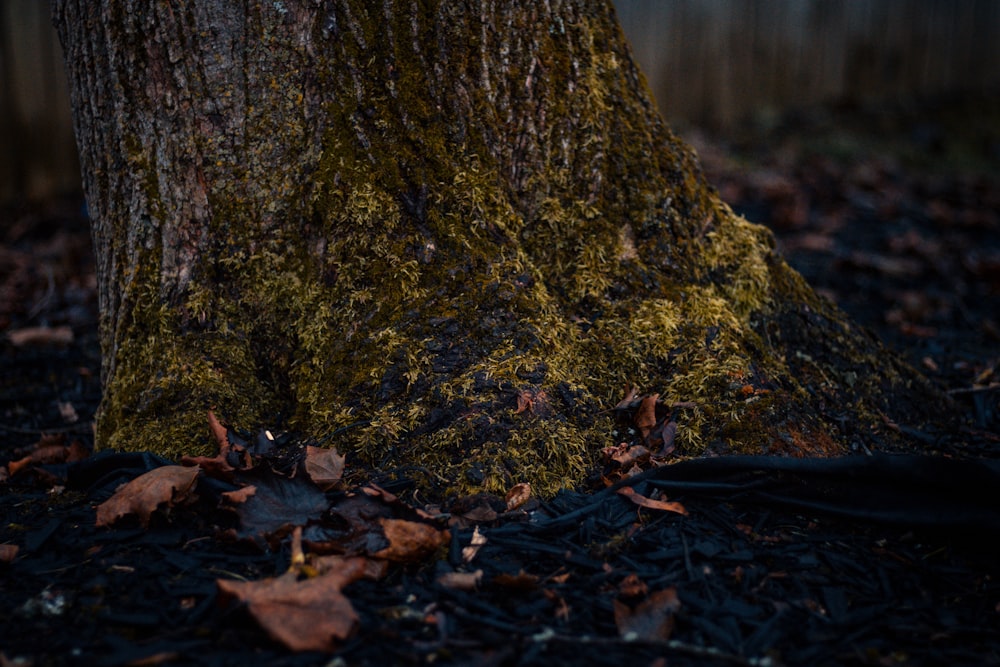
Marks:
<point>893,212</point>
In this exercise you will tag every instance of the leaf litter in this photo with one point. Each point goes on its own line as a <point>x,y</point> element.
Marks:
<point>753,584</point>
<point>304,609</point>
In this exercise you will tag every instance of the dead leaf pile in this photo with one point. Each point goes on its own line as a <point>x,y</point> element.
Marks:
<point>277,490</point>
<point>651,426</point>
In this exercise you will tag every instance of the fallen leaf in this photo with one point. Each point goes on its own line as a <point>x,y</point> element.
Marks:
<point>518,495</point>
<point>372,521</point>
<point>652,619</point>
<point>219,432</point>
<point>49,454</point>
<point>277,503</point>
<point>650,503</point>
<point>144,494</point>
<point>351,526</point>
<point>645,416</point>
<point>662,438</point>
<point>50,449</point>
<point>632,587</point>
<point>410,540</point>
<point>307,615</point>
<point>226,462</point>
<point>479,508</point>
<point>325,467</point>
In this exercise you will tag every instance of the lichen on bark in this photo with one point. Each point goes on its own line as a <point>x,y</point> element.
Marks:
<point>377,224</point>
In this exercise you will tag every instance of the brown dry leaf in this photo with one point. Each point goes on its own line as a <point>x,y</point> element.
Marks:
<point>221,465</point>
<point>650,503</point>
<point>219,432</point>
<point>40,336</point>
<point>518,495</point>
<point>8,552</point>
<point>141,496</point>
<point>325,467</point>
<point>649,620</point>
<point>214,466</point>
<point>645,416</point>
<point>308,615</point>
<point>410,540</point>
<point>50,449</point>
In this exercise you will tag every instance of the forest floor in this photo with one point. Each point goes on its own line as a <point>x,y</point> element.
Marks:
<point>892,212</point>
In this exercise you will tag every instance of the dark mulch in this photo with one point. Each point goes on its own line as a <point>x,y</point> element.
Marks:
<point>870,561</point>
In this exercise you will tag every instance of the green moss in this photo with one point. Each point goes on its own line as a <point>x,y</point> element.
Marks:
<point>430,253</point>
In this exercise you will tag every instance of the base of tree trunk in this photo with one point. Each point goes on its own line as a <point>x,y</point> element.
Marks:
<point>443,236</point>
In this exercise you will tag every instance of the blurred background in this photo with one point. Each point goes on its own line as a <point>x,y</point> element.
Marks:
<point>712,64</point>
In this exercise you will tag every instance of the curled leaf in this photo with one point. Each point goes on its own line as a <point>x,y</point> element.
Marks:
<point>410,540</point>
<point>307,615</point>
<point>650,503</point>
<point>170,485</point>
<point>518,495</point>
<point>325,467</point>
<point>645,416</point>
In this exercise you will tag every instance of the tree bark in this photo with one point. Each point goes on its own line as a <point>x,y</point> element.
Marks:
<point>382,222</point>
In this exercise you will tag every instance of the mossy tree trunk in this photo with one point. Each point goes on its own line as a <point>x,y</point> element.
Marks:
<point>386,220</point>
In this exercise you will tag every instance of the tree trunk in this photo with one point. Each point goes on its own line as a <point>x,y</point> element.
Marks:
<point>386,222</point>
